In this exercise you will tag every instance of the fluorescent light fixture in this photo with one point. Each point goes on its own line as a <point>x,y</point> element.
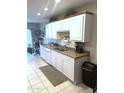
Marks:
<point>57,1</point>
<point>45,9</point>
<point>38,14</point>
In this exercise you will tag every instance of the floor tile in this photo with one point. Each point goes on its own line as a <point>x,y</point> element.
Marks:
<point>43,91</point>
<point>60,92</point>
<point>51,89</point>
<point>27,82</point>
<point>32,77</point>
<point>47,83</point>
<point>39,72</point>
<point>70,89</point>
<point>35,81</point>
<point>43,77</point>
<point>81,87</point>
<point>29,91</point>
<point>65,84</point>
<point>31,72</point>
<point>38,87</point>
<point>58,88</point>
<point>89,90</point>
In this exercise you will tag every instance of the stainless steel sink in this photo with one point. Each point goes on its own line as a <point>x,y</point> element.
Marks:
<point>61,49</point>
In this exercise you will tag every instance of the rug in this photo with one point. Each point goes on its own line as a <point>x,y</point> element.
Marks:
<point>53,75</point>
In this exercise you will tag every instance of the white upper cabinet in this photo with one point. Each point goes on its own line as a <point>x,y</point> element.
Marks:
<point>65,24</point>
<point>53,31</point>
<point>48,31</point>
<point>75,28</point>
<point>58,26</point>
<point>80,27</point>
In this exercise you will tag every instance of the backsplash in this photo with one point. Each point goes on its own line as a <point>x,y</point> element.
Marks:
<point>49,40</point>
<point>58,41</point>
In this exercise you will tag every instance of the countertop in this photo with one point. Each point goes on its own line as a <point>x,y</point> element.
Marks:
<point>70,52</point>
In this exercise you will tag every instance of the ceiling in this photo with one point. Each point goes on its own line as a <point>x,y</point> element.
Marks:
<point>37,6</point>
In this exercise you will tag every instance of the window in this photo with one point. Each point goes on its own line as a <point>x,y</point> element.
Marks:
<point>29,37</point>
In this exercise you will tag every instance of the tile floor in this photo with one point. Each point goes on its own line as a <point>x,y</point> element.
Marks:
<point>37,82</point>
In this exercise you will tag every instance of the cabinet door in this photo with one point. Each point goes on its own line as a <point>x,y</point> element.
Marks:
<point>76,28</point>
<point>65,25</point>
<point>58,26</point>
<point>53,31</point>
<point>42,52</point>
<point>53,57</point>
<point>48,31</point>
<point>57,60</point>
<point>48,55</point>
<point>68,67</point>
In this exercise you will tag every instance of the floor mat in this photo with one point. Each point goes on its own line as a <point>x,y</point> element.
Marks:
<point>53,75</point>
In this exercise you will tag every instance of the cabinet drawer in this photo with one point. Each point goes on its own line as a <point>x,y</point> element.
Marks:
<point>68,59</point>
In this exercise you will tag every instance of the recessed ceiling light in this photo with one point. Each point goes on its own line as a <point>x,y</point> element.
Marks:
<point>45,9</point>
<point>57,1</point>
<point>38,14</point>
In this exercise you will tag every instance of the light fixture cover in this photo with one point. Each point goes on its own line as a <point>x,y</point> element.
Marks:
<point>38,14</point>
<point>45,9</point>
<point>57,1</point>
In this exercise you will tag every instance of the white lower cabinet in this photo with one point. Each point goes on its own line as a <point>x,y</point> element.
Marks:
<point>42,52</point>
<point>63,63</point>
<point>45,53</point>
<point>56,60</point>
<point>53,57</point>
<point>48,56</point>
<point>68,67</point>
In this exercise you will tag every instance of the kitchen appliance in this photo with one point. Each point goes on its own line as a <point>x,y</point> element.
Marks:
<point>79,47</point>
